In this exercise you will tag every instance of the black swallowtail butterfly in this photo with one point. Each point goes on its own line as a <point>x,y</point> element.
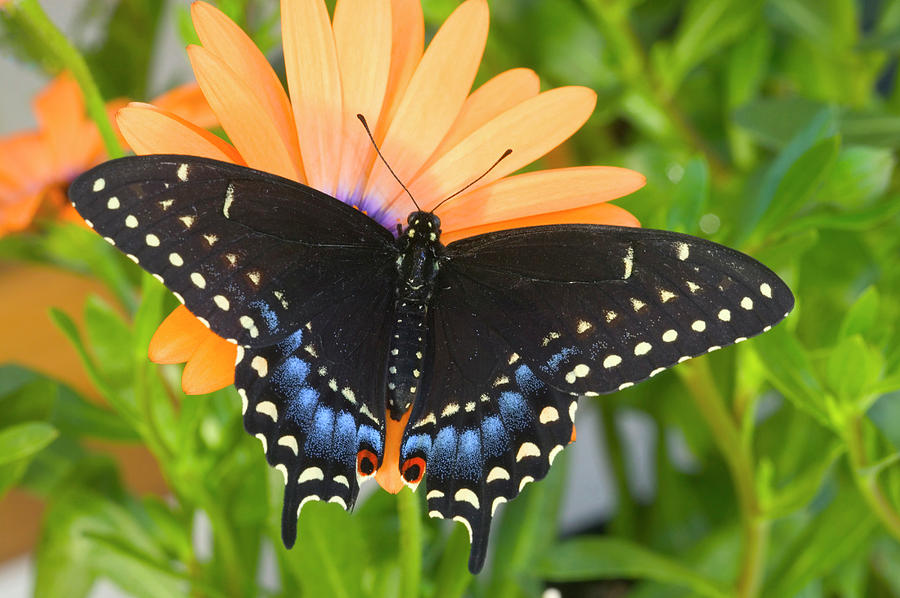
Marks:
<point>490,340</point>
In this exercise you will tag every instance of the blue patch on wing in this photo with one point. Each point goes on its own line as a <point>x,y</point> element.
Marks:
<point>320,434</point>
<point>468,456</point>
<point>417,442</point>
<point>291,343</point>
<point>552,364</point>
<point>494,437</point>
<point>514,410</point>
<point>268,315</point>
<point>370,436</point>
<point>443,452</point>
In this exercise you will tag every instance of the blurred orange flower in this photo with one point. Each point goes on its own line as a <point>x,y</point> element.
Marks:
<point>37,166</point>
<point>370,59</point>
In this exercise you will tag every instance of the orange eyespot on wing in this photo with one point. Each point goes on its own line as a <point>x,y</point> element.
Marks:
<point>412,471</point>
<point>366,463</point>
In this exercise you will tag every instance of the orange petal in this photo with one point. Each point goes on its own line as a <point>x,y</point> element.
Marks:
<point>538,192</point>
<point>362,34</point>
<point>149,130</point>
<point>314,81</point>
<point>495,97</point>
<point>433,98</point>
<point>187,102</point>
<point>221,36</point>
<point>602,213</point>
<point>60,114</point>
<point>177,338</point>
<point>530,129</point>
<point>239,110</point>
<point>211,367</point>
<point>388,475</point>
<point>408,43</point>
<point>16,216</point>
<point>25,164</point>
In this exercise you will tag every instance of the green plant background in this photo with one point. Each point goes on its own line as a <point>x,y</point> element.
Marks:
<point>770,126</point>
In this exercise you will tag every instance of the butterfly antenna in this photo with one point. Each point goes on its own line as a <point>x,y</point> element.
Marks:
<point>500,159</point>
<point>365,125</point>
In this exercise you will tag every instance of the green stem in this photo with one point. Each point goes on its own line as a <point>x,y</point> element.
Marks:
<point>40,25</point>
<point>867,480</point>
<point>410,512</point>
<point>739,458</point>
<point>625,522</point>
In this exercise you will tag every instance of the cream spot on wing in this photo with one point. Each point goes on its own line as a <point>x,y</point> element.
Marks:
<point>466,495</point>
<point>261,366</point>
<point>626,385</point>
<point>434,494</point>
<point>262,440</point>
<point>573,408</point>
<point>497,502</point>
<point>548,414</point>
<point>131,221</point>
<point>665,295</point>
<point>525,481</point>
<point>198,280</point>
<point>694,287</point>
<point>290,442</point>
<point>89,223</point>
<point>497,473</point>
<point>629,262</point>
<point>766,290</point>
<point>229,199</point>
<point>179,297</point>
<point>450,409</point>
<point>166,204</point>
<point>642,348</point>
<point>611,361</point>
<point>528,449</point>
<point>203,321</point>
<point>342,480</point>
<point>109,240</point>
<point>222,302</point>
<point>683,358</point>
<point>211,239</point>
<point>232,259</point>
<point>556,450</point>
<point>311,473</point>
<point>113,203</point>
<point>349,395</point>
<point>152,240</point>
<point>610,315</point>
<point>268,408</point>
<point>724,315</point>
<point>175,260</point>
<point>159,278</point>
<point>338,500</point>
<point>133,258</point>
<point>183,172</point>
<point>637,304</point>
<point>747,303</point>
<point>465,522</point>
<point>283,469</point>
<point>656,371</point>
<point>254,277</point>
<point>713,348</point>
<point>99,185</point>
<point>187,221</point>
<point>670,335</point>
<point>244,402</point>
<point>683,251</point>
<point>470,406</point>
<point>740,339</point>
<point>303,502</point>
<point>311,350</point>
<point>583,326</point>
<point>698,326</point>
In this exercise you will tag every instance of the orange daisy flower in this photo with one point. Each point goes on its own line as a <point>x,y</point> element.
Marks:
<point>370,59</point>
<point>37,166</point>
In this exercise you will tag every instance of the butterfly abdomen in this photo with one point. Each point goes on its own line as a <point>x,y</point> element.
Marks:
<point>417,268</point>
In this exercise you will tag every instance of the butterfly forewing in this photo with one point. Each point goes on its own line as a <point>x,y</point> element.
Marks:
<point>594,309</point>
<point>247,252</point>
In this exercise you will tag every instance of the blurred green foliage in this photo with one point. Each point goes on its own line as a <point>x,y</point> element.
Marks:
<point>770,126</point>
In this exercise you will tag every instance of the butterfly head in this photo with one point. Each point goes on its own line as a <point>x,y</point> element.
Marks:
<point>424,225</point>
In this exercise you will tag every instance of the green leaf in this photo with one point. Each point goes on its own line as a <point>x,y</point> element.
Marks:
<point>830,538</point>
<point>862,315</point>
<point>875,129</point>
<point>691,197</point>
<point>24,440</point>
<point>801,491</point>
<point>330,558</point>
<point>593,557</point>
<point>801,180</point>
<point>860,175</point>
<point>852,368</point>
<point>453,577</point>
<point>790,371</point>
<point>776,121</point>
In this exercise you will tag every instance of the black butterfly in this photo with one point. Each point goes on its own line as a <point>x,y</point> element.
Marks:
<point>490,340</point>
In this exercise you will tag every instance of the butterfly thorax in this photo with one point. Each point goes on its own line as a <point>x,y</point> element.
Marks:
<point>417,267</point>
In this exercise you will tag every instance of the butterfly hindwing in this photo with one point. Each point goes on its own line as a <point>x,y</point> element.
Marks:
<point>594,309</point>
<point>485,424</point>
<point>242,249</point>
